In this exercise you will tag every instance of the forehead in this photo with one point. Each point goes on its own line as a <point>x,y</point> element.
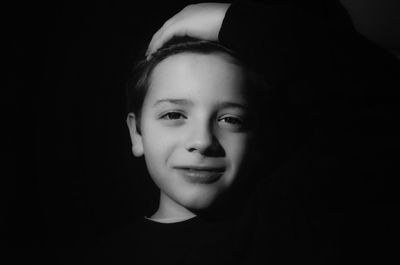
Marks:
<point>190,74</point>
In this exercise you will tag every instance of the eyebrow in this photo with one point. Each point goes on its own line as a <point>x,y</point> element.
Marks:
<point>225,105</point>
<point>176,101</point>
<point>187,102</point>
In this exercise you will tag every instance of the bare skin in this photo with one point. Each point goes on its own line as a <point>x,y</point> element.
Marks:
<point>202,21</point>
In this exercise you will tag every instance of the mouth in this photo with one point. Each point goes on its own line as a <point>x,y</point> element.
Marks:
<point>201,175</point>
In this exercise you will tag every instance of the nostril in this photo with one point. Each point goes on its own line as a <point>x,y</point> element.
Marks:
<point>191,149</point>
<point>213,148</point>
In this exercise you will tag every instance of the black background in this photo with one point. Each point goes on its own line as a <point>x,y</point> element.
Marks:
<point>76,179</point>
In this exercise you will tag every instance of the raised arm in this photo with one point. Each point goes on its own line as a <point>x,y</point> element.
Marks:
<point>274,36</point>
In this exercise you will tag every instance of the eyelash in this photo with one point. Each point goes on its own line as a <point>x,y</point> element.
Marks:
<point>234,120</point>
<point>167,116</point>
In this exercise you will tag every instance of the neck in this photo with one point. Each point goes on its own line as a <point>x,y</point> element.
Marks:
<point>171,211</point>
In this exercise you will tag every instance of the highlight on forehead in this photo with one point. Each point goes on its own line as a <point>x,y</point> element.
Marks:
<point>180,64</point>
<point>173,48</point>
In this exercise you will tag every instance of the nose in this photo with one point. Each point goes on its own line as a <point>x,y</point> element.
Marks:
<point>203,140</point>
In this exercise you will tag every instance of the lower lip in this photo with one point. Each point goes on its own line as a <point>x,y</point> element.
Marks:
<point>201,177</point>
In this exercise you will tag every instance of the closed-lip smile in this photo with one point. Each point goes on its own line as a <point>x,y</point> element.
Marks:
<point>202,168</point>
<point>200,174</point>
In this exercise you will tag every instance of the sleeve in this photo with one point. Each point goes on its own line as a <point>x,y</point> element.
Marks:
<point>281,37</point>
<point>289,41</point>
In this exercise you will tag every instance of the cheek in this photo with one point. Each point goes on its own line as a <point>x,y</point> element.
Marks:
<point>158,142</point>
<point>236,147</point>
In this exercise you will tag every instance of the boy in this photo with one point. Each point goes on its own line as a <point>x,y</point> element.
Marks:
<point>193,116</point>
<point>330,195</point>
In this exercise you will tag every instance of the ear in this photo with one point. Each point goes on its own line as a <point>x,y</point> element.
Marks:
<point>136,137</point>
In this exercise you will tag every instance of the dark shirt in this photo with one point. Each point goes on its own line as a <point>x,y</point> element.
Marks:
<point>247,236</point>
<point>194,241</point>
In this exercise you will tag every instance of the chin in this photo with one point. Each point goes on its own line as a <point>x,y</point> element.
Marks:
<point>198,204</point>
<point>202,201</point>
<point>195,200</point>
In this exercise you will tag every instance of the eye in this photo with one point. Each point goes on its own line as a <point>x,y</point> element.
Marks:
<point>172,116</point>
<point>234,123</point>
<point>231,120</point>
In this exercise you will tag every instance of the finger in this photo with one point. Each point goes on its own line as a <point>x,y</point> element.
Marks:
<point>152,46</point>
<point>160,39</point>
<point>153,40</point>
<point>156,35</point>
<point>149,47</point>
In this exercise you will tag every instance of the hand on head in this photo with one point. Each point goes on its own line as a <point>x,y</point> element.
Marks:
<point>202,21</point>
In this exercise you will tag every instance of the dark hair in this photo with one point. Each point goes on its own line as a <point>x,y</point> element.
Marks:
<point>139,80</point>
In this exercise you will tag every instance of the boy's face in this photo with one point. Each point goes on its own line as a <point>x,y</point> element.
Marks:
<point>193,127</point>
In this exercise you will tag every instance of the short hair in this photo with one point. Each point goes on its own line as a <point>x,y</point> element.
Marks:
<point>139,81</point>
